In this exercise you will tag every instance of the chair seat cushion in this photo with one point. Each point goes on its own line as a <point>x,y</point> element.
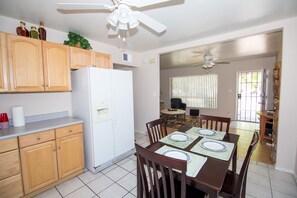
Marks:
<point>228,189</point>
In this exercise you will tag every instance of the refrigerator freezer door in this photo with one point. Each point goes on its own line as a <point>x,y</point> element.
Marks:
<point>123,111</point>
<point>103,142</point>
<point>100,85</point>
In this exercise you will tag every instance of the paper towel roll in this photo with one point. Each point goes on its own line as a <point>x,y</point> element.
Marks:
<point>18,118</point>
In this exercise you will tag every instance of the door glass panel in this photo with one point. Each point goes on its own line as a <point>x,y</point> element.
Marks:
<point>249,95</point>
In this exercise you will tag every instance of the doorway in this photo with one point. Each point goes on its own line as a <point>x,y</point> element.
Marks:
<point>250,95</point>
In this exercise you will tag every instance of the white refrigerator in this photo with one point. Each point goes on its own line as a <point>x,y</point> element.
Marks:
<point>103,99</point>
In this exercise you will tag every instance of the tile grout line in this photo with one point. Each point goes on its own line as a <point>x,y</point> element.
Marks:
<point>270,182</point>
<point>87,184</point>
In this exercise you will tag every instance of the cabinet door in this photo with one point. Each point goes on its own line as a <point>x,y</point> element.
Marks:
<point>25,64</point>
<point>102,60</point>
<point>80,57</point>
<point>39,166</point>
<point>70,154</point>
<point>56,66</point>
<point>3,64</point>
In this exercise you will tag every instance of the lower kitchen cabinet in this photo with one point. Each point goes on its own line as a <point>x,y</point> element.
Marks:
<point>39,165</point>
<point>10,171</point>
<point>50,156</point>
<point>70,154</point>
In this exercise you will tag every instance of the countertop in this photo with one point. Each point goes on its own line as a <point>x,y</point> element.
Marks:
<point>39,126</point>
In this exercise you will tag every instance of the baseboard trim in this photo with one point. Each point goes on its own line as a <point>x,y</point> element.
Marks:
<point>285,170</point>
<point>137,131</point>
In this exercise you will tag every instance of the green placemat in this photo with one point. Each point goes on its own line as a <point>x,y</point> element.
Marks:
<point>223,155</point>
<point>219,135</point>
<point>179,144</point>
<point>193,166</point>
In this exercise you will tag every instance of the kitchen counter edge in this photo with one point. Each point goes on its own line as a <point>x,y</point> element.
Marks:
<point>39,126</point>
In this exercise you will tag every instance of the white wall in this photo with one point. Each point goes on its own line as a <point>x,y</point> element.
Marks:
<point>287,135</point>
<point>226,83</point>
<point>43,103</point>
<point>146,91</point>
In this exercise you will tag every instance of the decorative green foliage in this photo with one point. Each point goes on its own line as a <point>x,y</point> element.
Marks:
<point>77,40</point>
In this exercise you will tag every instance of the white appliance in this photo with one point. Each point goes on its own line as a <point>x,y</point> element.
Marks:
<point>103,99</point>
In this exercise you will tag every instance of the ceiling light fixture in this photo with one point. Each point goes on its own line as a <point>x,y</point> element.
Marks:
<point>208,62</point>
<point>122,19</point>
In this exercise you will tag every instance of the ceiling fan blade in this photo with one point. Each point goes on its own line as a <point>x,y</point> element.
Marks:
<point>222,62</point>
<point>149,22</point>
<point>83,6</point>
<point>143,3</point>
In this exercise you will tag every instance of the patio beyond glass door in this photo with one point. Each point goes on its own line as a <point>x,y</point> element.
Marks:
<point>249,95</point>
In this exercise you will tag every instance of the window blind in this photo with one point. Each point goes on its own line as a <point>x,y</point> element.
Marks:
<point>196,91</point>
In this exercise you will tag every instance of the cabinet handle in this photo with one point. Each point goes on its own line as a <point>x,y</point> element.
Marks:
<point>59,148</point>
<point>46,85</point>
<point>38,138</point>
<point>70,131</point>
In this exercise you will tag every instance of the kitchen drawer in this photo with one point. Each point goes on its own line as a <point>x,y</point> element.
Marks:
<point>9,164</point>
<point>8,145</point>
<point>69,130</point>
<point>36,138</point>
<point>11,187</point>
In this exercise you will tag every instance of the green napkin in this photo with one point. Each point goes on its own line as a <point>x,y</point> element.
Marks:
<point>223,155</point>
<point>219,135</point>
<point>193,166</point>
<point>179,144</point>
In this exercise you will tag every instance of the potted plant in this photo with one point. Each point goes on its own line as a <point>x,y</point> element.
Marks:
<point>77,40</point>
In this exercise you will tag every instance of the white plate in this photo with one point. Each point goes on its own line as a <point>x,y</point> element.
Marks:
<point>179,137</point>
<point>178,155</point>
<point>214,146</point>
<point>206,132</point>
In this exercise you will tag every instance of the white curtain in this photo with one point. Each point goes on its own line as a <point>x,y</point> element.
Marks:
<point>196,91</point>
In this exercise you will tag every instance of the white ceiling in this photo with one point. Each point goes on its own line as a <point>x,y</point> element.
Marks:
<point>186,20</point>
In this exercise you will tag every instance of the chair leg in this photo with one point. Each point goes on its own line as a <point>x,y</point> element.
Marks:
<point>244,187</point>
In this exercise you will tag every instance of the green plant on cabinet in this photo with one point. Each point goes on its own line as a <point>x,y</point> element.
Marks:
<point>77,40</point>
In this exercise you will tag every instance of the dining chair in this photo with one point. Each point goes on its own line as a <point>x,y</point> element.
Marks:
<point>156,129</point>
<point>157,176</point>
<point>235,184</point>
<point>215,122</point>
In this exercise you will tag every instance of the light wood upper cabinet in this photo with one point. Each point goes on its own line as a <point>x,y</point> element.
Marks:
<point>3,64</point>
<point>39,165</point>
<point>102,60</point>
<point>80,57</point>
<point>25,64</point>
<point>56,64</point>
<point>70,154</point>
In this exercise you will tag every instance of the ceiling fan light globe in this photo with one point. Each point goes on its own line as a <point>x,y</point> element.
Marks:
<point>133,23</point>
<point>113,19</point>
<point>123,26</point>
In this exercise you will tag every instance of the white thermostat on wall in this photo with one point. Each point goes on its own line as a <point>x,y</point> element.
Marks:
<point>127,57</point>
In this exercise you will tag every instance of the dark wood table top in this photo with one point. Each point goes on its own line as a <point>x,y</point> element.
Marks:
<point>211,176</point>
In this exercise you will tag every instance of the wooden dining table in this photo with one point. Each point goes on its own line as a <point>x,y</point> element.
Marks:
<point>211,177</point>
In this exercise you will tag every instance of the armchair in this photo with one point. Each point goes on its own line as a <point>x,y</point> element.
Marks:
<point>176,103</point>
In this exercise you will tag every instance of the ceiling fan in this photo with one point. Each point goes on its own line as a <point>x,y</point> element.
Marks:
<point>122,16</point>
<point>209,60</point>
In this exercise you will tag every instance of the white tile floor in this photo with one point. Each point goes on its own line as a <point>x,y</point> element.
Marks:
<point>119,180</point>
